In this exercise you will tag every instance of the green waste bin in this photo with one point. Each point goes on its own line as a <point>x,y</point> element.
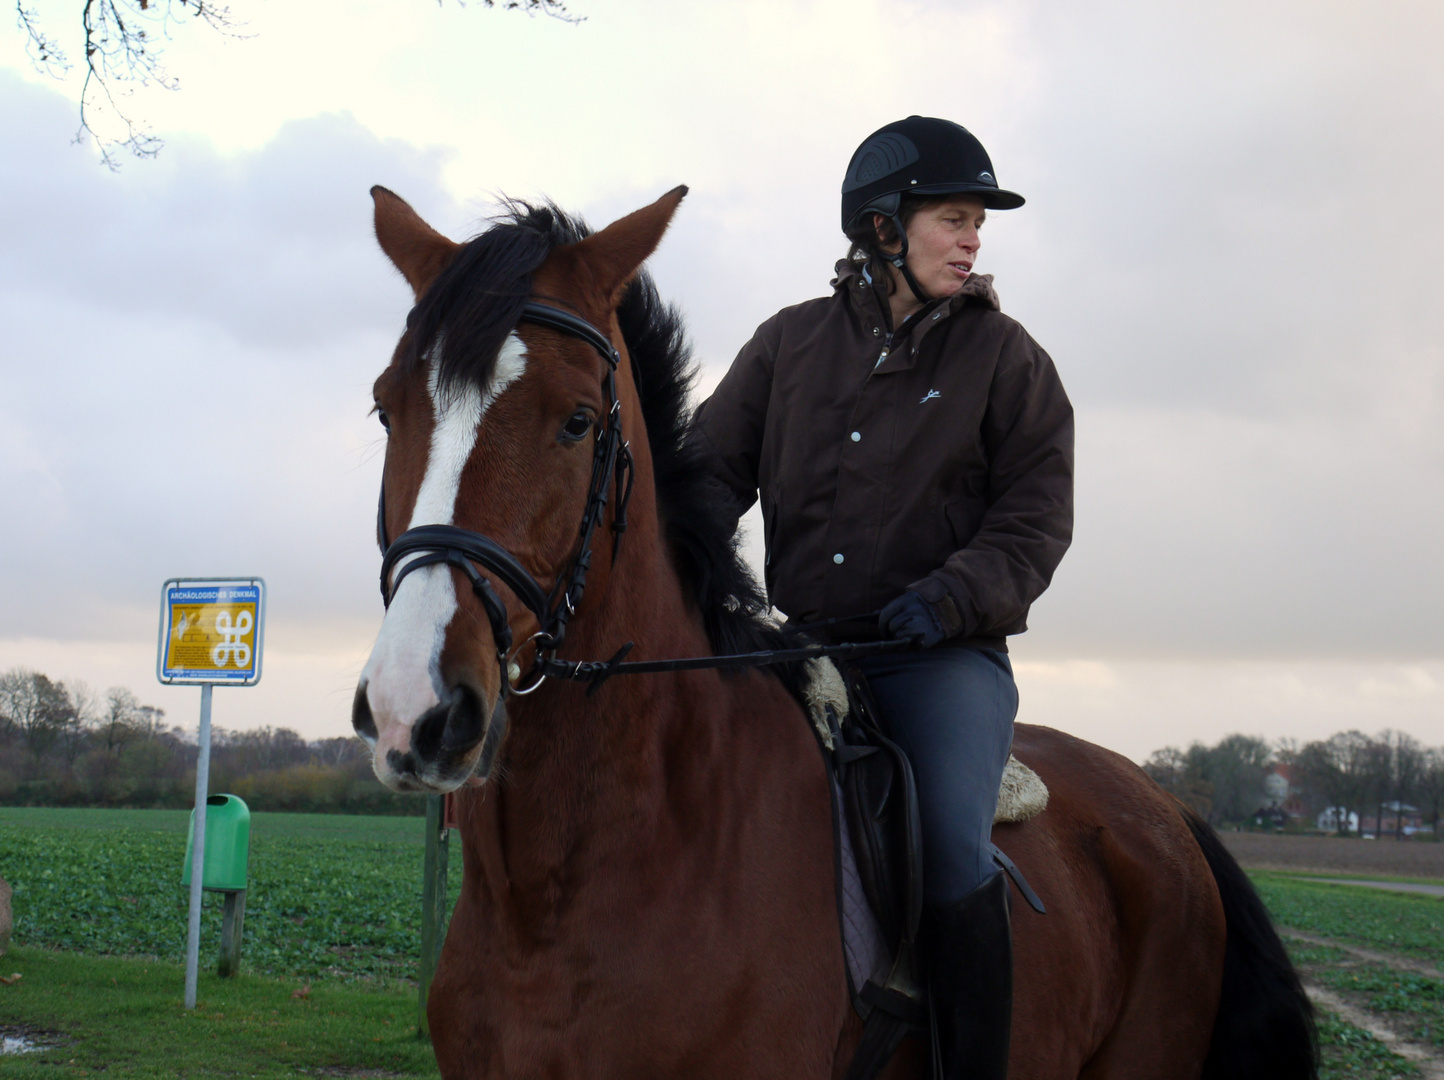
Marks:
<point>228,844</point>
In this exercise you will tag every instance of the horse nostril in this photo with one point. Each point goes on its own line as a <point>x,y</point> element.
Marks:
<point>451,728</point>
<point>361,718</point>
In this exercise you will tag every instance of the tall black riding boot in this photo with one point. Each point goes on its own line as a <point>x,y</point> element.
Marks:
<point>969,954</point>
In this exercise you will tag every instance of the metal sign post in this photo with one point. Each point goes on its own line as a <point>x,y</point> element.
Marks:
<point>198,842</point>
<point>211,631</point>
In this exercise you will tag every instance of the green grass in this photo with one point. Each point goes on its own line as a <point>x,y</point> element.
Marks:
<point>1316,875</point>
<point>1412,1003</point>
<point>409,830</point>
<point>1350,1053</point>
<point>335,901</point>
<point>328,895</point>
<point>125,1017</point>
<point>1403,923</point>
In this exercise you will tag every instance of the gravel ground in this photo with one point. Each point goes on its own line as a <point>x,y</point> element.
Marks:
<point>1332,855</point>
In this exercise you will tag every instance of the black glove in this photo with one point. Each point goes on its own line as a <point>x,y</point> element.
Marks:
<point>910,617</point>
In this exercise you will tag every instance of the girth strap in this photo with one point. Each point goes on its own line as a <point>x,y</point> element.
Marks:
<point>882,1031</point>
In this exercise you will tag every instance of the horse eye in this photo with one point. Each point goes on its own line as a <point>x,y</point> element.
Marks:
<point>385,420</point>
<point>577,425</point>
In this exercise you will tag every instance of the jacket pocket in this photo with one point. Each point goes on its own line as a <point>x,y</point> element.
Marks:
<point>965,517</point>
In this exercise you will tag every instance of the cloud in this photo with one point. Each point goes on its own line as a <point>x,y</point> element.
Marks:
<point>1229,249</point>
<point>186,376</point>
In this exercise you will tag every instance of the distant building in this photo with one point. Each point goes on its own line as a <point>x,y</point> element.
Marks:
<point>1397,817</point>
<point>1276,788</point>
<point>1281,793</point>
<point>1329,820</point>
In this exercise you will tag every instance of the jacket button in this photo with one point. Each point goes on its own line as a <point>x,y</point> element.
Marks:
<point>937,315</point>
<point>876,332</point>
<point>857,436</point>
<point>837,558</point>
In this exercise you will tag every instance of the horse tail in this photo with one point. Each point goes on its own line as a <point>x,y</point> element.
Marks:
<point>1265,1024</point>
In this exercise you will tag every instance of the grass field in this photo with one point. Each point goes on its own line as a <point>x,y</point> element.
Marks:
<point>1383,960</point>
<point>124,1018</point>
<point>1350,1053</point>
<point>329,895</point>
<point>334,905</point>
<point>404,830</point>
<point>1401,923</point>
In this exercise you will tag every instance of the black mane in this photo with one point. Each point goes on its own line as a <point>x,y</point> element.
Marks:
<point>476,302</point>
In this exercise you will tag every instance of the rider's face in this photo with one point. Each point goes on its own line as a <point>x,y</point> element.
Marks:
<point>943,244</point>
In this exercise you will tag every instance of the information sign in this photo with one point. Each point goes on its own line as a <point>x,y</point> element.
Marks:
<point>211,631</point>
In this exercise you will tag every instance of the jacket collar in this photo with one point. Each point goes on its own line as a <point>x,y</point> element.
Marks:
<point>977,289</point>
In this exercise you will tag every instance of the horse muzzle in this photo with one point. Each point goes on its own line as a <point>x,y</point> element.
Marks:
<point>437,751</point>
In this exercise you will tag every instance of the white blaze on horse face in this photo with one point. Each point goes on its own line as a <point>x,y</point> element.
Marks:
<point>403,676</point>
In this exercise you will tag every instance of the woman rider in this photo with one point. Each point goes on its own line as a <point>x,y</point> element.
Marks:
<point>913,450</point>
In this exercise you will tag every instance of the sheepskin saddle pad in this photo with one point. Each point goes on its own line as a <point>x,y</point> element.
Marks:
<point>866,946</point>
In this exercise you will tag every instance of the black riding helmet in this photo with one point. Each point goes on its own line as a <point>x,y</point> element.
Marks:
<point>921,155</point>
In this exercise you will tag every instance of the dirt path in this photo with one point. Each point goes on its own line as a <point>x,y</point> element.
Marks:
<point>1431,1066</point>
<point>1398,963</point>
<point>1391,886</point>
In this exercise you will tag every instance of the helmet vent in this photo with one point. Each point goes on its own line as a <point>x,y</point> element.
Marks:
<point>878,157</point>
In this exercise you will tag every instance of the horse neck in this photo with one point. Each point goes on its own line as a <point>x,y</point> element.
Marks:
<point>576,770</point>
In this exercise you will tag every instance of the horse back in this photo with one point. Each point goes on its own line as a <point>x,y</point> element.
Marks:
<point>1121,977</point>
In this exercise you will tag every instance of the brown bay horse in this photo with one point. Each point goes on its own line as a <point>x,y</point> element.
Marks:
<point>649,885</point>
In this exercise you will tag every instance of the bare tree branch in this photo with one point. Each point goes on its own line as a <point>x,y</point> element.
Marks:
<point>555,8</point>
<point>42,50</point>
<point>122,51</point>
<point>123,41</point>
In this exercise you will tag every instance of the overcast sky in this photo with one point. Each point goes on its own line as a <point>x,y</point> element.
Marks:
<point>1230,250</point>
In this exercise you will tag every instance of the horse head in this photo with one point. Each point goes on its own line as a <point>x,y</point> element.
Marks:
<point>493,425</point>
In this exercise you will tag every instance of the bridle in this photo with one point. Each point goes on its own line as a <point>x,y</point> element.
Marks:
<point>429,545</point>
<point>466,550</point>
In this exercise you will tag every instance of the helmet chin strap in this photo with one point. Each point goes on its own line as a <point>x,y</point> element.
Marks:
<point>900,260</point>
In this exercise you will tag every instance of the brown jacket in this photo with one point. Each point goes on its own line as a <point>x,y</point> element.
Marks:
<point>946,469</point>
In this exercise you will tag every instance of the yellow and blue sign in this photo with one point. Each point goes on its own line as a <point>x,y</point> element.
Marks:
<point>211,631</point>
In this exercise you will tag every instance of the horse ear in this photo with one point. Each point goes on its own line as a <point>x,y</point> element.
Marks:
<point>414,247</point>
<point>615,254</point>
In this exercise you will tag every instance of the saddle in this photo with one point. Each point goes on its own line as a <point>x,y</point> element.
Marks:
<point>878,849</point>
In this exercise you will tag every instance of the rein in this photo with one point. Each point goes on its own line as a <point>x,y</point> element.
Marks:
<point>596,672</point>
<point>430,545</point>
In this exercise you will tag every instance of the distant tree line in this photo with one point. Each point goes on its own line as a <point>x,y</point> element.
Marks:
<point>61,744</point>
<point>1350,771</point>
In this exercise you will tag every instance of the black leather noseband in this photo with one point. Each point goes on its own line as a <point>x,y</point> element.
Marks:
<point>429,545</point>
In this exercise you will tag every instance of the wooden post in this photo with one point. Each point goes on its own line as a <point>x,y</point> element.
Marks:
<point>233,925</point>
<point>433,903</point>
